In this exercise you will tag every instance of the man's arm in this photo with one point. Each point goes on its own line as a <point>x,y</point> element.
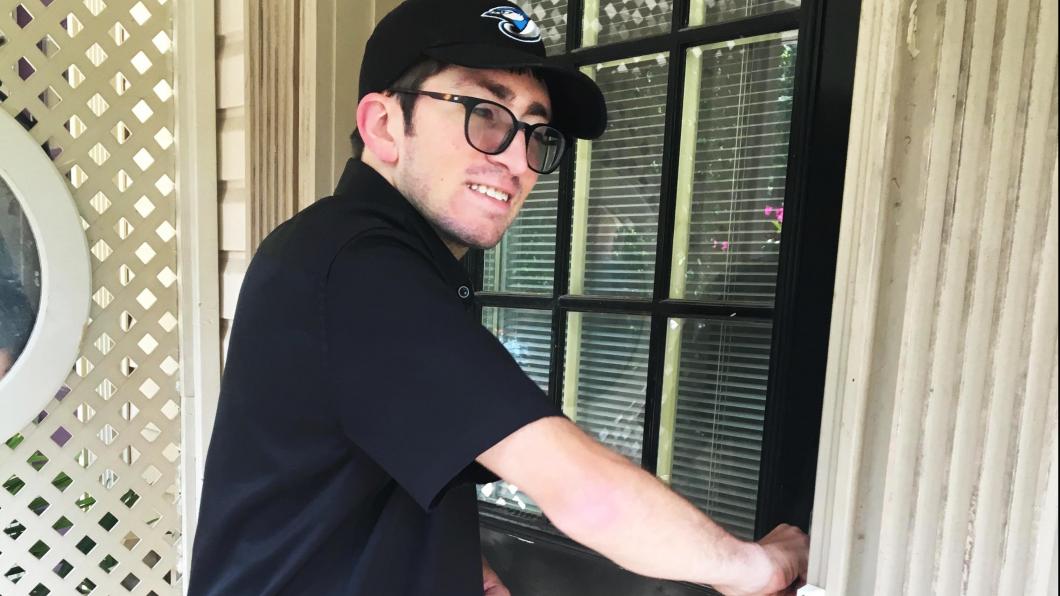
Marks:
<point>606,503</point>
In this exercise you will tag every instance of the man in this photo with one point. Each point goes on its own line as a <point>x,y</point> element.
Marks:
<point>361,399</point>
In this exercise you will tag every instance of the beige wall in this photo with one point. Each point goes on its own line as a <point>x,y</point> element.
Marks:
<point>938,462</point>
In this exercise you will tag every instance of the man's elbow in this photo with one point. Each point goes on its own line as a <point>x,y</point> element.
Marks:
<point>591,509</point>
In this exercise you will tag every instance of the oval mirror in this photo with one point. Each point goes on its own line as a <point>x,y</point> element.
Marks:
<point>44,278</point>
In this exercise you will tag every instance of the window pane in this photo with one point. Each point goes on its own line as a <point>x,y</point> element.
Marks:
<point>551,18</point>
<point>730,243</point>
<point>616,209</point>
<point>709,12</point>
<point>20,279</point>
<point>609,21</point>
<point>509,496</point>
<point>527,334</point>
<point>714,397</point>
<point>605,377</point>
<point>525,259</point>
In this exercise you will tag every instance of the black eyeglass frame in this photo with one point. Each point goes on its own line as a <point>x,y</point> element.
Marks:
<point>470,103</point>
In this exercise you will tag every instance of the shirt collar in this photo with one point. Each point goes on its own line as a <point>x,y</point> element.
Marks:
<point>362,181</point>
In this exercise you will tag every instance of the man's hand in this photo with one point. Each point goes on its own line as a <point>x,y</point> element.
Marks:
<point>779,563</point>
<point>491,584</point>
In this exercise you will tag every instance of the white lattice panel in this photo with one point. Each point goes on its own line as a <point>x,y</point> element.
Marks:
<point>89,498</point>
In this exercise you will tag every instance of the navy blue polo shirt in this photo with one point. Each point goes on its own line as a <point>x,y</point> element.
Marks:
<point>359,389</point>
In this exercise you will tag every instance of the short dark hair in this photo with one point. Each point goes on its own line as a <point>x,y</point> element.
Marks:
<point>412,79</point>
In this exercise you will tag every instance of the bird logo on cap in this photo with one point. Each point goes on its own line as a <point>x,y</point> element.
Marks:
<point>515,23</point>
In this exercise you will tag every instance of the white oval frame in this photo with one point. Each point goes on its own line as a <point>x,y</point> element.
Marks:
<point>52,348</point>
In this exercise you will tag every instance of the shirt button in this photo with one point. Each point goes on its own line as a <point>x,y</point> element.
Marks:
<point>463,292</point>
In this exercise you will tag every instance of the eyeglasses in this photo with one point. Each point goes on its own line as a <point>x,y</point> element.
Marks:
<point>490,128</point>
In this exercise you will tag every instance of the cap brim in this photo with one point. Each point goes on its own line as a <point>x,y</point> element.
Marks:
<point>578,106</point>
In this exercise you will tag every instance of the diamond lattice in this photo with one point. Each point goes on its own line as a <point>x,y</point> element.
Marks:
<point>89,503</point>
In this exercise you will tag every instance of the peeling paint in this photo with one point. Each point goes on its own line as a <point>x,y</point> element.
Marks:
<point>910,31</point>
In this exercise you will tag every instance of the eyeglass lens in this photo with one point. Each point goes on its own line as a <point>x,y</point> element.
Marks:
<point>490,129</point>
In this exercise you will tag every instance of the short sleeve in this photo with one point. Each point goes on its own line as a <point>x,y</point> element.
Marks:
<point>418,384</point>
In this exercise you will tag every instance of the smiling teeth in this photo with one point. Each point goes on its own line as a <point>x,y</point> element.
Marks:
<point>493,193</point>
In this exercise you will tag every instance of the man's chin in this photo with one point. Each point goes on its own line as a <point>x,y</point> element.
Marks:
<point>465,241</point>
<point>481,242</point>
<point>486,245</point>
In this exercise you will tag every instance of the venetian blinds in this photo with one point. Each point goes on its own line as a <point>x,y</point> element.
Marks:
<point>736,208</point>
<point>524,260</point>
<point>527,334</point>
<point>714,414</point>
<point>605,378</point>
<point>719,11</point>
<point>619,176</point>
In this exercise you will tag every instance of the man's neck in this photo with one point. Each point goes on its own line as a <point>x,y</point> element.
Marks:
<point>370,160</point>
<point>458,250</point>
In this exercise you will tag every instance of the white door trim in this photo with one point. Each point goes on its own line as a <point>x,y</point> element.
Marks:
<point>197,248</point>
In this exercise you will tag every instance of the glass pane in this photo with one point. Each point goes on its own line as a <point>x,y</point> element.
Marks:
<point>729,247</point>
<point>527,334</point>
<point>710,12</point>
<point>525,259</point>
<point>20,279</point>
<point>605,376</point>
<point>509,496</point>
<point>609,21</point>
<point>551,18</point>
<point>714,397</point>
<point>616,203</point>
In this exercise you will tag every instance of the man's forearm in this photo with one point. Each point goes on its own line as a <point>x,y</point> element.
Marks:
<point>605,502</point>
<point>635,520</point>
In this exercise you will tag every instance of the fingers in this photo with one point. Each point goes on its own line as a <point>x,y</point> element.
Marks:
<point>788,547</point>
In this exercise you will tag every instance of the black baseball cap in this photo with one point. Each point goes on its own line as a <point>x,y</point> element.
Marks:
<point>480,34</point>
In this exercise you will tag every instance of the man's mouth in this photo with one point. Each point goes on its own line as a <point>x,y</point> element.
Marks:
<point>490,192</point>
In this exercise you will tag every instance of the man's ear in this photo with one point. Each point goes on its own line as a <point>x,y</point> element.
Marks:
<point>374,121</point>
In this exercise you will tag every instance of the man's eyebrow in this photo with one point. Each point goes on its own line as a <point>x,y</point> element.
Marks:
<point>504,93</point>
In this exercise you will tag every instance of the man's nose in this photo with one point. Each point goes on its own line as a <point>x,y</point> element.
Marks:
<point>514,157</point>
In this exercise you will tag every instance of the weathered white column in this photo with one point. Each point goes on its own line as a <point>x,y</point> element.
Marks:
<point>274,65</point>
<point>938,464</point>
